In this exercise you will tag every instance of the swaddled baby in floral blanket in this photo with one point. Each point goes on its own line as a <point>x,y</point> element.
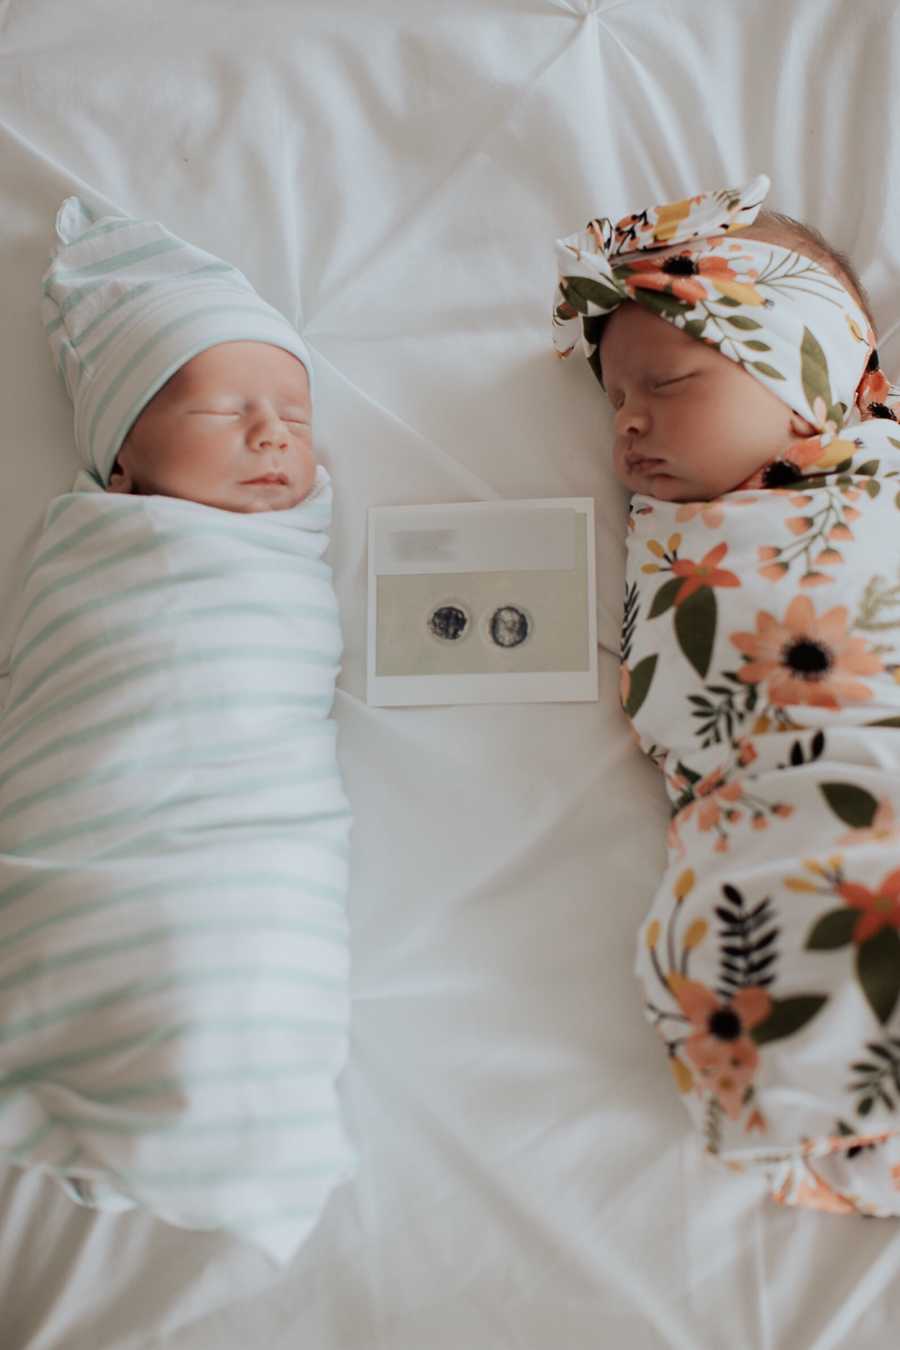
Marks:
<point>761,673</point>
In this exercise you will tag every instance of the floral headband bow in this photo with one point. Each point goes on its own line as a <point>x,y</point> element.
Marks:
<point>781,316</point>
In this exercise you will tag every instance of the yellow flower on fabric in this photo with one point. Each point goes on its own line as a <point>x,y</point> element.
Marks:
<point>695,934</point>
<point>834,452</point>
<point>652,934</point>
<point>742,291</point>
<point>684,1079</point>
<point>656,548</point>
<point>669,217</point>
<point>684,884</point>
<point>800,884</point>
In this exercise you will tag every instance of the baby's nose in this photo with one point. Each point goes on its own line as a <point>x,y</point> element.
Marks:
<point>269,432</point>
<point>631,420</point>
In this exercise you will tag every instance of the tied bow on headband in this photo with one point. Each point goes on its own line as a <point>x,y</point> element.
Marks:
<point>782,317</point>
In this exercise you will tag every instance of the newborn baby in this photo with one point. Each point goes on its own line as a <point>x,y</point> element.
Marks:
<point>173,828</point>
<point>761,673</point>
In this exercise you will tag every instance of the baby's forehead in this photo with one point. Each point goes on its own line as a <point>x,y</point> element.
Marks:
<point>633,336</point>
<point>244,365</point>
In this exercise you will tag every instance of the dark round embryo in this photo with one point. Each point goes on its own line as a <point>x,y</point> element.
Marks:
<point>448,622</point>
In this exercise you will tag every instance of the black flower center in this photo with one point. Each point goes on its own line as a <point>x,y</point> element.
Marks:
<point>724,1024</point>
<point>682,266</point>
<point>807,658</point>
<point>781,473</point>
<point>881,410</point>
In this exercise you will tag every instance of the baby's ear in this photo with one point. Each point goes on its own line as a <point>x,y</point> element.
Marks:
<point>120,479</point>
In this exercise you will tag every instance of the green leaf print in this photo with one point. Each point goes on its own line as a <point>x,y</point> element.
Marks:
<point>852,804</point>
<point>661,302</point>
<point>582,291</point>
<point>741,321</point>
<point>641,678</point>
<point>788,1016</point>
<point>695,628</point>
<point>878,968</point>
<point>765,369</point>
<point>834,929</point>
<point>814,370</point>
<point>665,597</point>
<point>694,327</point>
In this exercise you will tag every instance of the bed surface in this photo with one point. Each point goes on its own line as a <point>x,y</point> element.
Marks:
<point>392,176</point>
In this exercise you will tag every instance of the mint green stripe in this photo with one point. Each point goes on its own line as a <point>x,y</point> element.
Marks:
<point>203,703</point>
<point>172,1085</point>
<point>176,759</point>
<point>75,298</point>
<point>132,672</point>
<point>181,1128</point>
<point>258,543</point>
<point>118,261</point>
<point>259,974</point>
<point>108,636</point>
<point>50,871</point>
<point>59,506</point>
<point>109,227</point>
<point>300,888</point>
<point>83,292</point>
<point>203,311</point>
<point>155,839</point>
<point>50,838</point>
<point>111,517</point>
<point>294,562</point>
<point>98,951</point>
<point>191,1176</point>
<point>294,656</point>
<point>195,1027</point>
<point>160,284</point>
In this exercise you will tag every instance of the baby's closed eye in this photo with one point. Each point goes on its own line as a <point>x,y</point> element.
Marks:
<point>673,380</point>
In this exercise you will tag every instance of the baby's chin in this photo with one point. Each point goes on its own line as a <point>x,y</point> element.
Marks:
<point>664,487</point>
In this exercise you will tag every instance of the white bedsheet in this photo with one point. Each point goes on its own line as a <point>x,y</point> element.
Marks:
<point>393,175</point>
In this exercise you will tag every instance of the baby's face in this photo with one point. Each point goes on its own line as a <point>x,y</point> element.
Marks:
<point>690,424</point>
<point>232,429</point>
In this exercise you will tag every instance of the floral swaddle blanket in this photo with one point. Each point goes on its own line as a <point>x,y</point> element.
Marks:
<point>761,673</point>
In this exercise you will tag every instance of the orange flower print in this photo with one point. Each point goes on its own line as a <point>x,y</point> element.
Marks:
<point>807,658</point>
<point>874,389</point>
<point>710,513</point>
<point>878,909</point>
<point>822,452</point>
<point>692,278</point>
<point>709,795</point>
<point>719,1048</point>
<point>704,573</point>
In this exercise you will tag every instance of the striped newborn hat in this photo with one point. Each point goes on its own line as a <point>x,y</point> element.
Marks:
<point>125,304</point>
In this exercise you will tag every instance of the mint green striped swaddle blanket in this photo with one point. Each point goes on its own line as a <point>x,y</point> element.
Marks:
<point>173,865</point>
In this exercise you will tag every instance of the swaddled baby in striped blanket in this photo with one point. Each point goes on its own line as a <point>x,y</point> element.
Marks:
<point>173,829</point>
